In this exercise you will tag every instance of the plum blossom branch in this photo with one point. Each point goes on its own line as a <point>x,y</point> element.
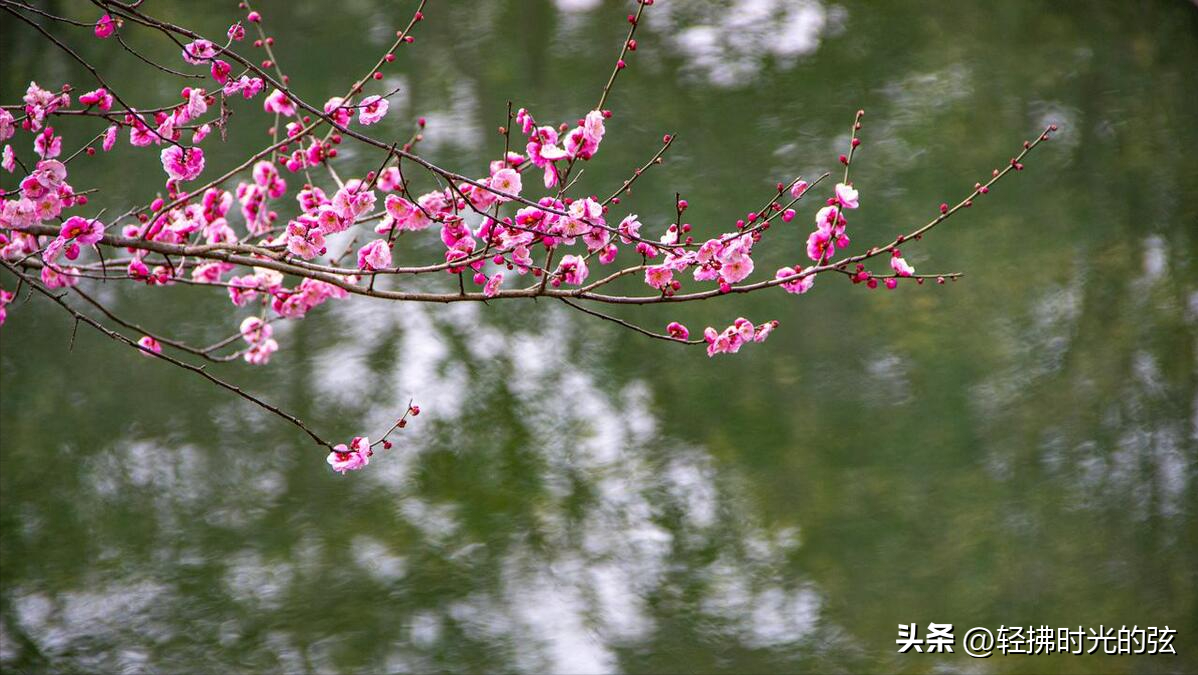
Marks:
<point>223,229</point>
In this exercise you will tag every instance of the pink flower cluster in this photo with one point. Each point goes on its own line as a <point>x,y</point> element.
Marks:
<point>731,339</point>
<point>344,459</point>
<point>357,454</point>
<point>830,224</point>
<point>257,334</point>
<point>581,142</point>
<point>39,103</point>
<point>43,196</point>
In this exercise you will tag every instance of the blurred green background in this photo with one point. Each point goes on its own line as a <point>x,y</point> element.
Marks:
<point>1017,448</point>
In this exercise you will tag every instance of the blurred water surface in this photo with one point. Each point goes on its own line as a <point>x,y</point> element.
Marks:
<point>1017,448</point>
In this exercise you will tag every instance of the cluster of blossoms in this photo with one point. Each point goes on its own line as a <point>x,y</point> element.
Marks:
<point>45,196</point>
<point>741,332</point>
<point>257,334</point>
<point>494,228</point>
<point>357,454</point>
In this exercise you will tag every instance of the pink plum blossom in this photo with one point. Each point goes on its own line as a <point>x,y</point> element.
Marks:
<point>846,196</point>
<point>248,86</point>
<point>819,245</point>
<point>182,164</point>
<point>763,331</point>
<point>305,238</point>
<point>105,27</point>
<point>335,108</point>
<point>39,103</point>
<point>630,228</point>
<point>593,127</point>
<point>198,51</point>
<point>901,267</point>
<point>373,109</point>
<point>209,273</point>
<point>659,276</point>
<point>798,286</point>
<point>677,331</point>
<point>736,268</point>
<point>47,145</point>
<point>329,221</point>
<point>572,269</point>
<point>525,120</point>
<point>277,102</point>
<point>99,98</point>
<point>830,219</point>
<point>374,256</point>
<point>522,259</point>
<point>543,151</point>
<point>352,458</point>
<point>585,214</point>
<point>140,135</point>
<point>735,261</point>
<point>57,277</point>
<point>506,181</point>
<point>390,179</point>
<point>259,353</point>
<point>7,126</point>
<point>583,141</point>
<point>196,104</point>
<point>311,198</point>
<point>83,230</point>
<point>493,284</point>
<point>405,214</point>
<point>220,71</point>
<point>353,200</point>
<point>148,343</point>
<point>110,138</point>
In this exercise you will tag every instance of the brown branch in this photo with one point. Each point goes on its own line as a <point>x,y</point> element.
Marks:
<point>632,326</point>
<point>199,370</point>
<point>204,352</point>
